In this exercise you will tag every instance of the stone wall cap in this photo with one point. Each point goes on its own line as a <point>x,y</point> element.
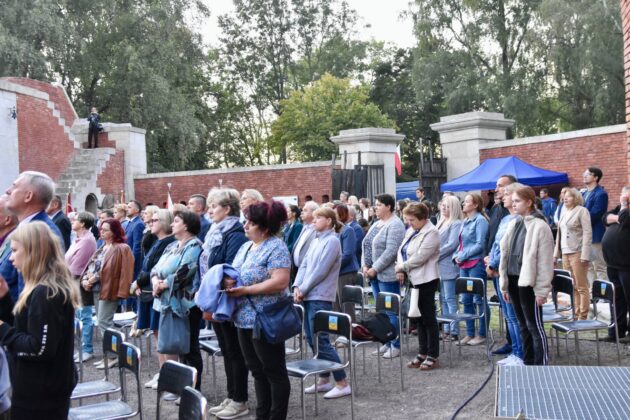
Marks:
<point>23,90</point>
<point>373,134</point>
<point>472,119</point>
<point>81,126</point>
<point>233,170</point>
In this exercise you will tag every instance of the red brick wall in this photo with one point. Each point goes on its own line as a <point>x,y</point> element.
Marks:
<point>55,94</point>
<point>313,181</point>
<point>573,156</point>
<point>625,19</point>
<point>43,144</point>
<point>112,179</point>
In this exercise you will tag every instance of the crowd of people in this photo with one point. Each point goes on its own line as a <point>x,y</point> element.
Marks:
<point>168,263</point>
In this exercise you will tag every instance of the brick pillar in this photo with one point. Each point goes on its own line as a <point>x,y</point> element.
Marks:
<point>625,20</point>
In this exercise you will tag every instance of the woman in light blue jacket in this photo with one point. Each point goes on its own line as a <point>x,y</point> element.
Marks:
<point>469,257</point>
<point>449,226</point>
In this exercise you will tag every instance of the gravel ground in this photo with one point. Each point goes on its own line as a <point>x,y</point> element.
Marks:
<point>427,395</point>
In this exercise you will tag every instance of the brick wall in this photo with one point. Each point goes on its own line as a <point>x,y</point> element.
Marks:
<point>625,20</point>
<point>112,179</point>
<point>43,144</point>
<point>55,94</point>
<point>573,156</point>
<point>314,181</point>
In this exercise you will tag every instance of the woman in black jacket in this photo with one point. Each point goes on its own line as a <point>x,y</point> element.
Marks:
<point>225,237</point>
<point>40,344</point>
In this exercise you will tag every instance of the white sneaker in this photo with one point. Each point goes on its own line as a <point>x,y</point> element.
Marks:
<point>153,381</point>
<point>167,396</point>
<point>391,353</point>
<point>233,410</point>
<point>325,387</point>
<point>85,357</point>
<point>516,361</point>
<point>110,364</point>
<point>505,361</point>
<point>218,408</point>
<point>338,392</point>
<point>380,351</point>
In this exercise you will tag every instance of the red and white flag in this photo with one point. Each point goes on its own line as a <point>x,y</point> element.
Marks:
<point>169,202</point>
<point>398,161</point>
<point>68,204</point>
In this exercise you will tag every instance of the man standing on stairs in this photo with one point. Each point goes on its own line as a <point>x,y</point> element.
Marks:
<point>61,220</point>
<point>94,127</point>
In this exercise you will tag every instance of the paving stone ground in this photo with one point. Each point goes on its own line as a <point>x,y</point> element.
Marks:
<point>427,395</point>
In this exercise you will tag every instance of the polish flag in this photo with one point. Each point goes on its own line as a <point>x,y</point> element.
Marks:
<point>68,204</point>
<point>169,202</point>
<point>398,161</point>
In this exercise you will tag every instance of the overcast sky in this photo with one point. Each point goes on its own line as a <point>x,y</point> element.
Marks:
<point>383,16</point>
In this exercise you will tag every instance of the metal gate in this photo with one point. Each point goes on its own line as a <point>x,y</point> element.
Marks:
<point>363,181</point>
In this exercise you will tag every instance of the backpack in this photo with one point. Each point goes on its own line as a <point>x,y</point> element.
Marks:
<point>360,333</point>
<point>380,327</point>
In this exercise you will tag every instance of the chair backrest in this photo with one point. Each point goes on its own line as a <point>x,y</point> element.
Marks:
<point>112,340</point>
<point>388,302</point>
<point>562,284</point>
<point>333,323</point>
<point>352,294</point>
<point>603,290</point>
<point>300,311</point>
<point>192,405</point>
<point>472,285</point>
<point>129,362</point>
<point>175,376</point>
<point>562,272</point>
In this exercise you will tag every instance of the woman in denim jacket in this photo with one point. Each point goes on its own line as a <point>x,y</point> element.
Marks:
<point>449,226</point>
<point>469,257</point>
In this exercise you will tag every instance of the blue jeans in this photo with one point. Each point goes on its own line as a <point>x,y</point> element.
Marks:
<point>472,303</point>
<point>85,315</point>
<point>448,302</point>
<point>391,287</point>
<point>325,349</point>
<point>512,322</point>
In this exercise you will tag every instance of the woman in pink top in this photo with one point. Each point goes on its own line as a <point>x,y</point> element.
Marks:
<point>77,258</point>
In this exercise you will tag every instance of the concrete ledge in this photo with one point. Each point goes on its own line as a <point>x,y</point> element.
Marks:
<point>369,134</point>
<point>568,135</point>
<point>23,90</point>
<point>234,170</point>
<point>81,127</point>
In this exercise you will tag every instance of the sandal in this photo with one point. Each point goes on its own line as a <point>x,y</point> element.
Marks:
<point>429,363</point>
<point>416,363</point>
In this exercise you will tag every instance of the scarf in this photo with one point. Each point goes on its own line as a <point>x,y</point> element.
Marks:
<point>214,237</point>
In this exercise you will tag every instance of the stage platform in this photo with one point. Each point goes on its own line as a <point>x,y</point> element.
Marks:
<point>563,392</point>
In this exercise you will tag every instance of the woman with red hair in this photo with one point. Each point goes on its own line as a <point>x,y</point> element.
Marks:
<point>109,275</point>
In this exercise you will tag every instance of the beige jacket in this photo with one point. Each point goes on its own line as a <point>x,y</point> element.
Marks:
<point>575,225</point>
<point>423,253</point>
<point>537,267</point>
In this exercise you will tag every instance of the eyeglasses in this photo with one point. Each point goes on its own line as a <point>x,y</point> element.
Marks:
<point>154,221</point>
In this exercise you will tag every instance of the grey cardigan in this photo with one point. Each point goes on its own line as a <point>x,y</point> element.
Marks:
<point>319,271</point>
<point>385,249</point>
<point>449,241</point>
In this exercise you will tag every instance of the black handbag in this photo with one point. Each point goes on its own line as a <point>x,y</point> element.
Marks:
<point>276,322</point>
<point>381,327</point>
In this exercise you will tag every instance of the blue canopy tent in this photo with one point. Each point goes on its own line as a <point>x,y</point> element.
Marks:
<point>406,190</point>
<point>484,177</point>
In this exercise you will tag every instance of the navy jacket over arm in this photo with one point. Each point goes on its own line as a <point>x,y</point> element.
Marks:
<point>597,204</point>
<point>134,232</point>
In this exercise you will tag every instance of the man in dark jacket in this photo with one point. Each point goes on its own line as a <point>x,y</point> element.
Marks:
<point>61,220</point>
<point>94,127</point>
<point>596,202</point>
<point>616,250</point>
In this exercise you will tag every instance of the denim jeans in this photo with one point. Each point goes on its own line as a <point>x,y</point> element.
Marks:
<point>472,303</point>
<point>391,287</point>
<point>324,348</point>
<point>513,326</point>
<point>85,315</point>
<point>448,302</point>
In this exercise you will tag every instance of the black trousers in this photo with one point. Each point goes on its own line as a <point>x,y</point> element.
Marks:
<point>93,134</point>
<point>193,358</point>
<point>235,368</point>
<point>268,366</point>
<point>60,412</point>
<point>427,326</point>
<point>621,280</point>
<point>529,316</point>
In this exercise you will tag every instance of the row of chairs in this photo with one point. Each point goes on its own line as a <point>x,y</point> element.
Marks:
<point>175,378</point>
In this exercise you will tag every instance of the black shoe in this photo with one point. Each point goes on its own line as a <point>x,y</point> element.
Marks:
<point>494,298</point>
<point>505,349</point>
<point>607,339</point>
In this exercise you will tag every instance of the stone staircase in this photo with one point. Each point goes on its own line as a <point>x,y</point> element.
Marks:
<point>79,178</point>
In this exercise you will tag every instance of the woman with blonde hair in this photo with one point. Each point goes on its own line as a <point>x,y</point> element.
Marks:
<point>40,343</point>
<point>573,244</point>
<point>449,226</point>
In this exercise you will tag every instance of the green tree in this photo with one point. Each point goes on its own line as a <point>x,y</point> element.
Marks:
<point>310,117</point>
